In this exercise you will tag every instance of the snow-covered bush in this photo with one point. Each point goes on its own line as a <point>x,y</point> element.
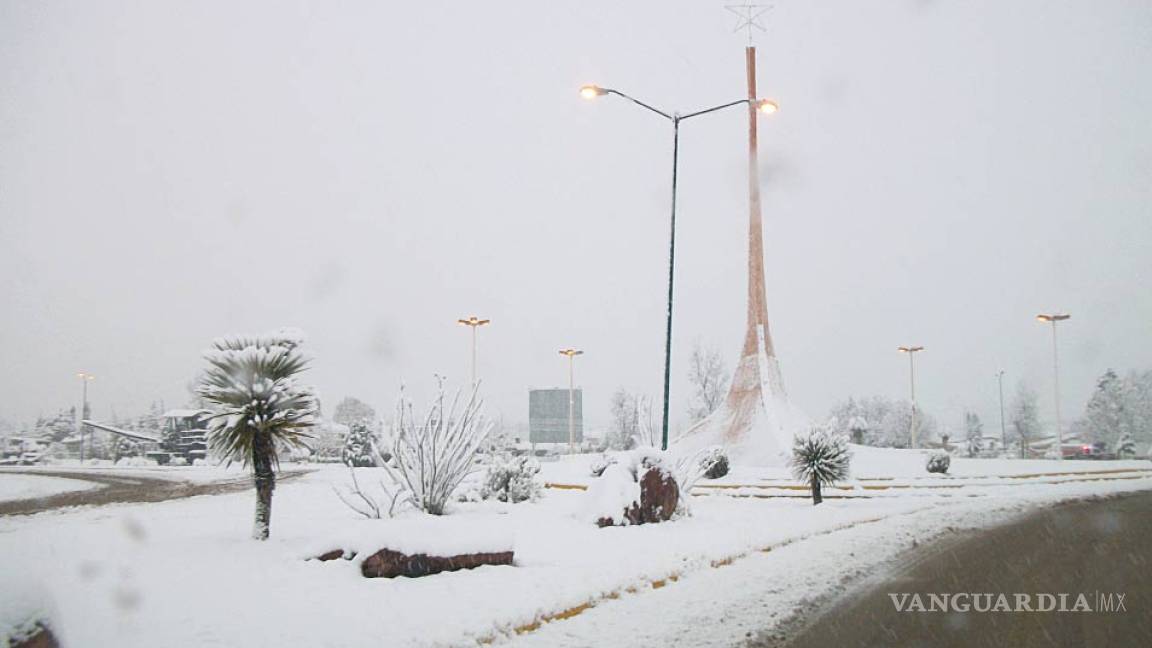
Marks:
<point>375,499</point>
<point>820,458</point>
<point>432,456</point>
<point>201,462</point>
<point>359,446</point>
<point>611,495</point>
<point>512,479</point>
<point>136,462</point>
<point>715,463</point>
<point>177,461</point>
<point>656,494</point>
<point>596,468</point>
<point>938,462</point>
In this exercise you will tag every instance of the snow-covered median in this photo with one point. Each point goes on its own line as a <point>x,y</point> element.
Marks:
<point>15,487</point>
<point>185,573</point>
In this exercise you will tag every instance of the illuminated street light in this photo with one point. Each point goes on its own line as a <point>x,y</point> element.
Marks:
<point>911,351</point>
<point>571,353</point>
<point>592,91</point>
<point>764,106</point>
<point>475,323</point>
<point>767,106</point>
<point>1053,318</point>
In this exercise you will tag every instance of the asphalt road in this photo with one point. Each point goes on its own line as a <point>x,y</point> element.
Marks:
<point>122,489</point>
<point>1102,545</point>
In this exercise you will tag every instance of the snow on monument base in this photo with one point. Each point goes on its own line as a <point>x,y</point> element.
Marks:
<point>756,423</point>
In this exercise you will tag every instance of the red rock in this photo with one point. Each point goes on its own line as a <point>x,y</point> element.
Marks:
<point>659,496</point>
<point>389,564</point>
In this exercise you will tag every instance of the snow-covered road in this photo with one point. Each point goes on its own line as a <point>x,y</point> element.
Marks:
<point>16,487</point>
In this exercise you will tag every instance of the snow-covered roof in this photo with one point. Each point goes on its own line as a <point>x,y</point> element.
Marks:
<point>184,413</point>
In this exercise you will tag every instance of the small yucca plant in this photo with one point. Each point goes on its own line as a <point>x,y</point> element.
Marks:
<point>260,407</point>
<point>820,458</point>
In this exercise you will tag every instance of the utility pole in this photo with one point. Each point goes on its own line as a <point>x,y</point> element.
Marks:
<point>475,323</point>
<point>1003,429</point>
<point>1054,318</point>
<point>911,351</point>
<point>571,353</point>
<point>84,379</point>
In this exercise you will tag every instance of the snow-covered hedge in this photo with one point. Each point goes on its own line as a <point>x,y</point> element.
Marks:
<point>715,463</point>
<point>611,495</point>
<point>596,468</point>
<point>938,462</point>
<point>359,446</point>
<point>512,479</point>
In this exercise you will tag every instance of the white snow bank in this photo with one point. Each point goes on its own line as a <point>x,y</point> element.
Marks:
<point>21,487</point>
<point>417,533</point>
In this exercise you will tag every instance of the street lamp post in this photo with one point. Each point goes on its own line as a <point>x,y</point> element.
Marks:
<point>911,351</point>
<point>1053,318</point>
<point>1003,429</point>
<point>84,377</point>
<point>763,105</point>
<point>475,323</point>
<point>571,353</point>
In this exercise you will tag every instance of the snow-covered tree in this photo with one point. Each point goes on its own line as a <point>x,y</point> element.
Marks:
<point>973,433</point>
<point>1126,445</point>
<point>433,454</point>
<point>625,420</point>
<point>359,446</point>
<point>352,410</point>
<point>882,422</point>
<point>709,379</point>
<point>1118,408</point>
<point>1024,416</point>
<point>820,458</point>
<point>647,432</point>
<point>59,427</point>
<point>260,407</point>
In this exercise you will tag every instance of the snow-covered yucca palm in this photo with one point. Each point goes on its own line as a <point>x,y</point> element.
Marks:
<point>820,458</point>
<point>260,407</point>
<point>433,455</point>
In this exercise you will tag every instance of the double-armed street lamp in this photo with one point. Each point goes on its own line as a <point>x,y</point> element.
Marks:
<point>911,351</point>
<point>475,323</point>
<point>1053,318</point>
<point>571,353</point>
<point>85,378</point>
<point>764,106</point>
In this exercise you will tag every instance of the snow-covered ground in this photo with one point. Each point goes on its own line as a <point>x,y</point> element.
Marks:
<point>195,474</point>
<point>184,572</point>
<point>21,487</point>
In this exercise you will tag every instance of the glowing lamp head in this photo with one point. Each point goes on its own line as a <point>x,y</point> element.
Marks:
<point>767,106</point>
<point>592,91</point>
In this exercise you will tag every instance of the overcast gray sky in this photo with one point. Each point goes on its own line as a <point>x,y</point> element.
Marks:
<point>940,172</point>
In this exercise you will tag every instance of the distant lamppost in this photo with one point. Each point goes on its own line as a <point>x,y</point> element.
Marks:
<point>84,380</point>
<point>1003,429</point>
<point>764,106</point>
<point>1054,318</point>
<point>571,353</point>
<point>475,323</point>
<point>911,351</point>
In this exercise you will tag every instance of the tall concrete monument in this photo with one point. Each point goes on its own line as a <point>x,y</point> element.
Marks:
<point>756,421</point>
